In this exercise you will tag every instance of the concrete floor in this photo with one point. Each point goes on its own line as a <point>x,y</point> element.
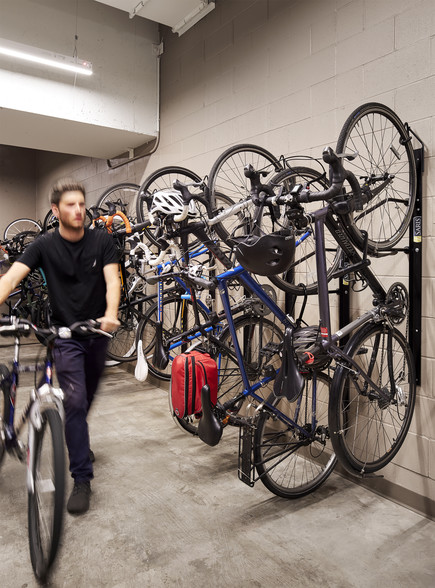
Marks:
<point>168,510</point>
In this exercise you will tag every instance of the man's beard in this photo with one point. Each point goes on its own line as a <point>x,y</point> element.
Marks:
<point>72,225</point>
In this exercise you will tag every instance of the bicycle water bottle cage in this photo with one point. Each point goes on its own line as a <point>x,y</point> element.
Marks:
<point>289,382</point>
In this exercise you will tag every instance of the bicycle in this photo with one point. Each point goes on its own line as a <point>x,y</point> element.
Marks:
<point>247,352</point>
<point>363,439</point>
<point>43,452</point>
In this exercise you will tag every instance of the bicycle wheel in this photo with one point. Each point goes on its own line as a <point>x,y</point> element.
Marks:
<point>366,430</point>
<point>46,499</point>
<point>124,196</point>
<point>21,225</point>
<point>161,179</point>
<point>290,461</point>
<point>178,316</point>
<point>301,277</point>
<point>227,177</point>
<point>385,155</point>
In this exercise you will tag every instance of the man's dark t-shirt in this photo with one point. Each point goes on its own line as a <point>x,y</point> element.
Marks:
<point>74,273</point>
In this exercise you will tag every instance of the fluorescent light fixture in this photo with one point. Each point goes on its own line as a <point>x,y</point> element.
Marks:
<point>193,17</point>
<point>35,55</point>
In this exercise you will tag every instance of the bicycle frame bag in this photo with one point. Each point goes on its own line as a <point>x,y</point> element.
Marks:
<point>190,372</point>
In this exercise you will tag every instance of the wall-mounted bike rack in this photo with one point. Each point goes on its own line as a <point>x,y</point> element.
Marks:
<point>414,252</point>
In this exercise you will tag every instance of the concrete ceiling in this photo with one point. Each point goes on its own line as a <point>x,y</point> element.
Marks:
<point>36,131</point>
<point>173,13</point>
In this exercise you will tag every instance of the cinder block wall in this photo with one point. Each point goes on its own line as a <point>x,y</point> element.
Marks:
<point>285,75</point>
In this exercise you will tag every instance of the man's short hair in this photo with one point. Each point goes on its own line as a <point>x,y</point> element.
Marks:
<point>65,185</point>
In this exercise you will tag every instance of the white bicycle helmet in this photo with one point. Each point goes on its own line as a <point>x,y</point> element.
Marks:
<point>169,201</point>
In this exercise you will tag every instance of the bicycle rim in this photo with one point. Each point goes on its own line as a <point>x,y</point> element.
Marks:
<point>384,149</point>
<point>291,463</point>
<point>45,503</point>
<point>367,431</point>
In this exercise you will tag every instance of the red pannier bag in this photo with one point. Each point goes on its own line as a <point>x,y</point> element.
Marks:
<point>190,372</point>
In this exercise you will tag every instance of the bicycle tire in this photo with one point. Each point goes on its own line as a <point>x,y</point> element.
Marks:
<point>301,278</point>
<point>366,432</point>
<point>21,225</point>
<point>46,501</point>
<point>384,146</point>
<point>125,194</point>
<point>254,333</point>
<point>227,177</point>
<point>289,464</point>
<point>161,179</point>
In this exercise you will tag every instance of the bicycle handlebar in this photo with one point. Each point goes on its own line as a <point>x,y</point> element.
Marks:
<point>337,175</point>
<point>12,325</point>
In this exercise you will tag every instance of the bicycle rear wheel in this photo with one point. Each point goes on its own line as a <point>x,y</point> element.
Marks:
<point>46,498</point>
<point>301,277</point>
<point>367,431</point>
<point>293,462</point>
<point>227,178</point>
<point>384,151</point>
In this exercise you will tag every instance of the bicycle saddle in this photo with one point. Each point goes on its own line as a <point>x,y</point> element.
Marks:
<point>289,382</point>
<point>209,427</point>
<point>160,354</point>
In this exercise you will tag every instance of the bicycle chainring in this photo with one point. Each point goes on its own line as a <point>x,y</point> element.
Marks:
<point>397,300</point>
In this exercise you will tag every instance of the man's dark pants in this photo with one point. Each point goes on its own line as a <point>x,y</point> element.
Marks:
<point>79,365</point>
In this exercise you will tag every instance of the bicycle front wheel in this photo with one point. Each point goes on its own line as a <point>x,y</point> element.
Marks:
<point>227,178</point>
<point>385,158</point>
<point>367,430</point>
<point>46,498</point>
<point>294,457</point>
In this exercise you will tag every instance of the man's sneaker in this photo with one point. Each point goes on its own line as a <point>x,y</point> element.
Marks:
<point>79,500</point>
